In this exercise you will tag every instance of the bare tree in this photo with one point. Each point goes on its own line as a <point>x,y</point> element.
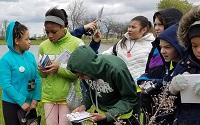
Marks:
<point>77,12</point>
<point>120,28</point>
<point>109,25</point>
<point>89,18</point>
<point>3,28</point>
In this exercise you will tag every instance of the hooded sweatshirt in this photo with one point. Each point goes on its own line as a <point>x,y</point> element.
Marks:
<point>170,36</point>
<point>110,81</point>
<point>155,67</point>
<point>170,16</point>
<point>16,70</point>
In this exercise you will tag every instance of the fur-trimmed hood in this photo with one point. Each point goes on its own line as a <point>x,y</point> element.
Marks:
<point>187,20</point>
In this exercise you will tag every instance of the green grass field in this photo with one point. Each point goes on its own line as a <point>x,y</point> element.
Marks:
<point>86,40</point>
<point>33,42</point>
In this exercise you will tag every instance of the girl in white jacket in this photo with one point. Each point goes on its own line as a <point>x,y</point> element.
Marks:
<point>135,45</point>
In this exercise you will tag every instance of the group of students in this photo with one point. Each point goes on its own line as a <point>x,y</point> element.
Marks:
<point>115,84</point>
<point>165,62</point>
<point>20,79</point>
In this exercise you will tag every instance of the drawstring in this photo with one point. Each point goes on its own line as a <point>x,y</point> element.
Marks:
<point>96,99</point>
<point>96,104</point>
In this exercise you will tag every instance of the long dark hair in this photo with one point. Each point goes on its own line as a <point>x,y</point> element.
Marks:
<point>168,17</point>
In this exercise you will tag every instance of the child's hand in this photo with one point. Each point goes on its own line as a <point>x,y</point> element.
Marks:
<point>52,68</point>
<point>26,107</point>
<point>178,83</point>
<point>79,109</point>
<point>33,104</point>
<point>97,36</point>
<point>91,26</point>
<point>97,117</point>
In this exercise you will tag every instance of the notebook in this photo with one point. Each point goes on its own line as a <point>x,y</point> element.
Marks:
<point>78,116</point>
<point>45,61</point>
<point>63,57</point>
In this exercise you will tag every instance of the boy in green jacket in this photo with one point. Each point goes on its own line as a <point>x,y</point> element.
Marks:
<point>109,85</point>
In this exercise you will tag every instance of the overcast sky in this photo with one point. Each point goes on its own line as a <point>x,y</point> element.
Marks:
<point>31,12</point>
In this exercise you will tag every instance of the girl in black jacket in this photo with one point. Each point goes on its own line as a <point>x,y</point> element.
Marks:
<point>189,34</point>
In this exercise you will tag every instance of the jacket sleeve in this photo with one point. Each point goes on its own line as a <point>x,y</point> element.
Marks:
<point>95,46</point>
<point>109,51</point>
<point>153,85</point>
<point>38,87</point>
<point>63,72</point>
<point>86,94</point>
<point>5,83</point>
<point>127,89</point>
<point>79,32</point>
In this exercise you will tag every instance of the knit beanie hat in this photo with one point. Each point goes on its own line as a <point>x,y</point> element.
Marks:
<point>194,30</point>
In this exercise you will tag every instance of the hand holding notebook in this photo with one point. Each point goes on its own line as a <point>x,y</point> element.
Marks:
<point>78,116</point>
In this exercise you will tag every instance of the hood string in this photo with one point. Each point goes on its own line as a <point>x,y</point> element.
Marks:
<point>96,104</point>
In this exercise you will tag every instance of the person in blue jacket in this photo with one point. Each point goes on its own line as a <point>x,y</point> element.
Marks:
<point>19,79</point>
<point>155,67</point>
<point>172,53</point>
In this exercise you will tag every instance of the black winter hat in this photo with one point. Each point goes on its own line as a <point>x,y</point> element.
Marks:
<point>194,30</point>
<point>170,16</point>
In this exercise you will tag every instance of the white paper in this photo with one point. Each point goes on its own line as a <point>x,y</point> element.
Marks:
<point>63,57</point>
<point>188,95</point>
<point>78,116</point>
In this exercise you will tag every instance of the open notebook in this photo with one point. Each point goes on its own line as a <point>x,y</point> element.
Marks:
<point>78,116</point>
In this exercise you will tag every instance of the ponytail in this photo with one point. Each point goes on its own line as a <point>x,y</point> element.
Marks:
<point>65,17</point>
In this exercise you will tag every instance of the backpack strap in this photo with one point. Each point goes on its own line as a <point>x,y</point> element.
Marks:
<point>114,51</point>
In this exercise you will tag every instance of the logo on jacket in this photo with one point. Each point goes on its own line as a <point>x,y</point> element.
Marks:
<point>21,69</point>
<point>100,86</point>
